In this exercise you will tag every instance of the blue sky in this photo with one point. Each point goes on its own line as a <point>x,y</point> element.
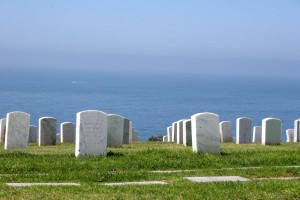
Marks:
<point>257,37</point>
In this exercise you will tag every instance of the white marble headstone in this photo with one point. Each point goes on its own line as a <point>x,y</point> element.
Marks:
<point>17,130</point>
<point>225,131</point>
<point>169,131</point>
<point>91,133</point>
<point>174,132</point>
<point>115,128</point>
<point>165,138</point>
<point>32,134</point>
<point>130,131</point>
<point>180,131</point>
<point>256,134</point>
<point>187,133</point>
<point>271,131</point>
<point>126,131</point>
<point>289,135</point>
<point>67,132</point>
<point>205,133</point>
<point>297,130</point>
<point>47,131</point>
<point>243,130</point>
<point>2,129</point>
<point>135,136</point>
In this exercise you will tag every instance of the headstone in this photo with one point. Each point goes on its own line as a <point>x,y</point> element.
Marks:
<point>115,128</point>
<point>91,133</point>
<point>135,136</point>
<point>2,129</point>
<point>174,132</point>
<point>169,131</point>
<point>32,134</point>
<point>205,133</point>
<point>225,131</point>
<point>47,131</point>
<point>243,130</point>
<point>130,131</point>
<point>297,130</point>
<point>67,132</point>
<point>17,130</point>
<point>180,132</point>
<point>187,133</point>
<point>271,131</point>
<point>165,138</point>
<point>256,134</point>
<point>290,135</point>
<point>126,131</point>
<point>58,137</point>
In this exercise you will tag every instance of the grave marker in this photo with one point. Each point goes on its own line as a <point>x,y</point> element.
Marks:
<point>17,130</point>
<point>115,128</point>
<point>187,132</point>
<point>47,131</point>
<point>243,130</point>
<point>271,131</point>
<point>256,134</point>
<point>205,133</point>
<point>2,129</point>
<point>32,134</point>
<point>91,133</point>
<point>290,135</point>
<point>67,132</point>
<point>225,131</point>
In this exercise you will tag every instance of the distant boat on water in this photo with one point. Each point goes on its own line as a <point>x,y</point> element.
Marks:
<point>78,82</point>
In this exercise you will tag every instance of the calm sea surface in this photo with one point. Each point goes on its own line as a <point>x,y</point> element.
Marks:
<point>151,102</point>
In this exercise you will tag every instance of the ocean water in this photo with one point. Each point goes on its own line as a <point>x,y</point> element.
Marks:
<point>151,102</point>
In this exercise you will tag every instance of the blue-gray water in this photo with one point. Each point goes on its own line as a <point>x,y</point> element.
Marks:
<point>152,102</point>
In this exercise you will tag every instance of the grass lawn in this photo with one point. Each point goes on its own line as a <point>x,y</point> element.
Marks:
<point>135,162</point>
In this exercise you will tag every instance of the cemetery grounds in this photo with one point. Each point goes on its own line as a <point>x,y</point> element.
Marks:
<point>273,172</point>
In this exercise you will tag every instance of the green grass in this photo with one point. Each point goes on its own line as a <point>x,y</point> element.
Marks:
<point>135,161</point>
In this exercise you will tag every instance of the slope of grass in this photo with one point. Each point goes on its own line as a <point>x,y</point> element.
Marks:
<point>135,161</point>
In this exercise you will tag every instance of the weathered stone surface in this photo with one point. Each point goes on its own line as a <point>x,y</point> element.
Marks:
<point>290,135</point>
<point>130,131</point>
<point>216,179</point>
<point>47,131</point>
<point>187,132</point>
<point>32,134</point>
<point>135,136</point>
<point>115,129</point>
<point>225,131</point>
<point>126,131</point>
<point>174,132</point>
<point>180,131</point>
<point>169,131</point>
<point>165,138</point>
<point>2,129</point>
<point>243,130</point>
<point>205,133</point>
<point>17,130</point>
<point>91,133</point>
<point>256,134</point>
<point>67,132</point>
<point>297,130</point>
<point>271,131</point>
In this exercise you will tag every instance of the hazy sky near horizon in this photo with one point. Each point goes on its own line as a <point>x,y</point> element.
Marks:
<point>257,37</point>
